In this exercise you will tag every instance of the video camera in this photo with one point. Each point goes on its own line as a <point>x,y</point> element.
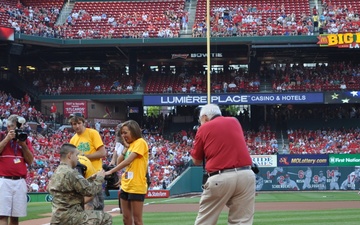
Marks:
<point>20,134</point>
<point>110,180</point>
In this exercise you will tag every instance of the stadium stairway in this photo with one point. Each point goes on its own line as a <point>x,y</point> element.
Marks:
<point>265,86</point>
<point>64,13</point>
<point>190,6</point>
<point>21,84</point>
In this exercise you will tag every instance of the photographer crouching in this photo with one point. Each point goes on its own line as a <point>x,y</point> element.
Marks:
<point>230,178</point>
<point>16,153</point>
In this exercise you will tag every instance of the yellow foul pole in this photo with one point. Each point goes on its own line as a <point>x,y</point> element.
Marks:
<point>208,28</point>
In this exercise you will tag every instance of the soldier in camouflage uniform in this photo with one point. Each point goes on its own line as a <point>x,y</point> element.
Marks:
<point>68,188</point>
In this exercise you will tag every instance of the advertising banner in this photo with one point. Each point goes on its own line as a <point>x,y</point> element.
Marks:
<point>319,178</point>
<point>234,99</point>
<point>303,160</point>
<point>342,97</point>
<point>265,160</point>
<point>344,160</point>
<point>158,194</point>
<point>71,107</point>
<point>343,40</point>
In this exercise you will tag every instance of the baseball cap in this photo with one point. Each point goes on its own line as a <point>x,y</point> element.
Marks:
<point>76,115</point>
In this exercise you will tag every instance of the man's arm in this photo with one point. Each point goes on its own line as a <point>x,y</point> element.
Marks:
<point>28,155</point>
<point>4,141</point>
<point>197,162</point>
<point>114,158</point>
<point>100,153</point>
<point>122,164</point>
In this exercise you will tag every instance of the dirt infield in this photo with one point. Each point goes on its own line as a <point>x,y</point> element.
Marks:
<point>268,206</point>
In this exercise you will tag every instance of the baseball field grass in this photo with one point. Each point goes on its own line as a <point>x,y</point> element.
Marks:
<point>336,216</point>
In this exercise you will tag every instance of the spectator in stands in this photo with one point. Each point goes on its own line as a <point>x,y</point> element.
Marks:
<point>225,86</point>
<point>69,20</point>
<point>129,88</point>
<point>34,186</point>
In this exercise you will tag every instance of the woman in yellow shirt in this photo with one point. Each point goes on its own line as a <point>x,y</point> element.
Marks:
<point>133,180</point>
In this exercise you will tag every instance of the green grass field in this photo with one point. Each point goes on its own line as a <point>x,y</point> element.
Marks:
<point>345,216</point>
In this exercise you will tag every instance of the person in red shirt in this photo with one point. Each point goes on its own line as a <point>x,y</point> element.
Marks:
<point>16,154</point>
<point>53,110</point>
<point>220,142</point>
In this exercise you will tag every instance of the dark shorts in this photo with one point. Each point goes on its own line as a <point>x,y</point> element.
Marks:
<point>132,197</point>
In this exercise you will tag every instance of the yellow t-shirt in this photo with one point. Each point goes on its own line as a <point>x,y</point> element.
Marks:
<point>88,143</point>
<point>133,180</point>
<point>90,170</point>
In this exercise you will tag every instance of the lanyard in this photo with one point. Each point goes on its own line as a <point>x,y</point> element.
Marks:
<point>12,145</point>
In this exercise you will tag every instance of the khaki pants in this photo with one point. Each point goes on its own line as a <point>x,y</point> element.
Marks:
<point>234,189</point>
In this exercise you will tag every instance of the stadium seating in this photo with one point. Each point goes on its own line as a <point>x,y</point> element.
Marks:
<point>43,3</point>
<point>266,10</point>
<point>128,17</point>
<point>4,17</point>
<point>131,24</point>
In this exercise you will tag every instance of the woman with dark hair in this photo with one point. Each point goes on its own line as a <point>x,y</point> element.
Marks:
<point>133,180</point>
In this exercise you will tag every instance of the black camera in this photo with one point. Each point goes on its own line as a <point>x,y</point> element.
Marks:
<point>20,134</point>
<point>255,168</point>
<point>110,180</point>
<point>81,168</point>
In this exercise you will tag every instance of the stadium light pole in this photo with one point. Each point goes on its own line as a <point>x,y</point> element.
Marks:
<point>208,50</point>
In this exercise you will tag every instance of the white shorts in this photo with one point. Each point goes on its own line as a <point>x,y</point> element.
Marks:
<point>13,197</point>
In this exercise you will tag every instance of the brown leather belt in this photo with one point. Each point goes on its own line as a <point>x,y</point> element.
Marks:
<point>12,177</point>
<point>229,170</point>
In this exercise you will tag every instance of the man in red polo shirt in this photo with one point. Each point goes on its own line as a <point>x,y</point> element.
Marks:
<point>231,182</point>
<point>15,155</point>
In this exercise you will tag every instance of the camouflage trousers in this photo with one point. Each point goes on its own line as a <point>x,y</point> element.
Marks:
<point>87,217</point>
<point>97,203</point>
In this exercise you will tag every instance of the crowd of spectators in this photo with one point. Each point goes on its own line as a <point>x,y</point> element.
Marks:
<point>81,24</point>
<point>31,20</point>
<point>232,19</point>
<point>83,81</point>
<point>268,19</point>
<point>193,81</point>
<point>322,77</point>
<point>336,76</point>
<point>324,141</point>
<point>338,18</point>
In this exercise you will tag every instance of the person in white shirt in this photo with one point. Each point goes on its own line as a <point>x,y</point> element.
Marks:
<point>75,15</point>
<point>34,186</point>
<point>111,19</point>
<point>98,126</point>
